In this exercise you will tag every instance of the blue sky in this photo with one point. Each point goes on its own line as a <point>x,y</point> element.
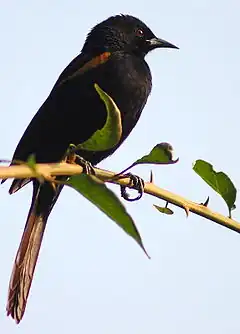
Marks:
<point>91,277</point>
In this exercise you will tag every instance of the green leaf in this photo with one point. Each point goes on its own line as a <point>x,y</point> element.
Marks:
<point>161,154</point>
<point>31,162</point>
<point>219,181</point>
<point>102,197</point>
<point>110,134</point>
<point>164,210</point>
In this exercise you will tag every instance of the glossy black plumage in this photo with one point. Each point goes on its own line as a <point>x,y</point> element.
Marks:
<point>71,114</point>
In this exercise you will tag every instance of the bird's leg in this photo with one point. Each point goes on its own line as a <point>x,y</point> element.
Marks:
<point>136,182</point>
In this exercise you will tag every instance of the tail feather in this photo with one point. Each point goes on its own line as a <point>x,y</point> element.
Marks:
<point>23,269</point>
<point>25,262</point>
<point>43,200</point>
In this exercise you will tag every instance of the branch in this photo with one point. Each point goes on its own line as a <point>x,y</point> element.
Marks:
<point>49,170</point>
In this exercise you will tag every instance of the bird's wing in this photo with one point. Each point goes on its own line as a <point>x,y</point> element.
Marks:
<point>67,116</point>
<point>79,65</point>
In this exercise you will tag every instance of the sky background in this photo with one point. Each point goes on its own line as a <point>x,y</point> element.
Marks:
<point>91,277</point>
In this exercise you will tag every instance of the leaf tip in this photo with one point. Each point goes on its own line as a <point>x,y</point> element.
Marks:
<point>146,253</point>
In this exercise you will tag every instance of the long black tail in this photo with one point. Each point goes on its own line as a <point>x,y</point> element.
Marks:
<point>43,200</point>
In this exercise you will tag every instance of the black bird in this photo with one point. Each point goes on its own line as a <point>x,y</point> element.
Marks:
<point>113,57</point>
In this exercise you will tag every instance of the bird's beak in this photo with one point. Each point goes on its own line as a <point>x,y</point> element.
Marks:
<point>160,43</point>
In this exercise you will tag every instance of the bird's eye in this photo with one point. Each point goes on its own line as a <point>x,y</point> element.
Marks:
<point>139,32</point>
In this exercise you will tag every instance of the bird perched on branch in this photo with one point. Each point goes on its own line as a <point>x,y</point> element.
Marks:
<point>113,57</point>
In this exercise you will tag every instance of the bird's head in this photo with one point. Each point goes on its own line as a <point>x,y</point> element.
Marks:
<point>123,33</point>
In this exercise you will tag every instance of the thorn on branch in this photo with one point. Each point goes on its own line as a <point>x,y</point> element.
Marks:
<point>186,209</point>
<point>151,176</point>
<point>206,202</point>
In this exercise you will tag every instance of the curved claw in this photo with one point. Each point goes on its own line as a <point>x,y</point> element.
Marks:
<point>137,183</point>
<point>86,165</point>
<point>72,158</point>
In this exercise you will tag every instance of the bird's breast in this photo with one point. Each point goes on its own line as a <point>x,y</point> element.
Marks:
<point>127,79</point>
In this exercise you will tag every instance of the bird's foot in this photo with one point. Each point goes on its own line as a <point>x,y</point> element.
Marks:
<point>73,158</point>
<point>86,165</point>
<point>135,182</point>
